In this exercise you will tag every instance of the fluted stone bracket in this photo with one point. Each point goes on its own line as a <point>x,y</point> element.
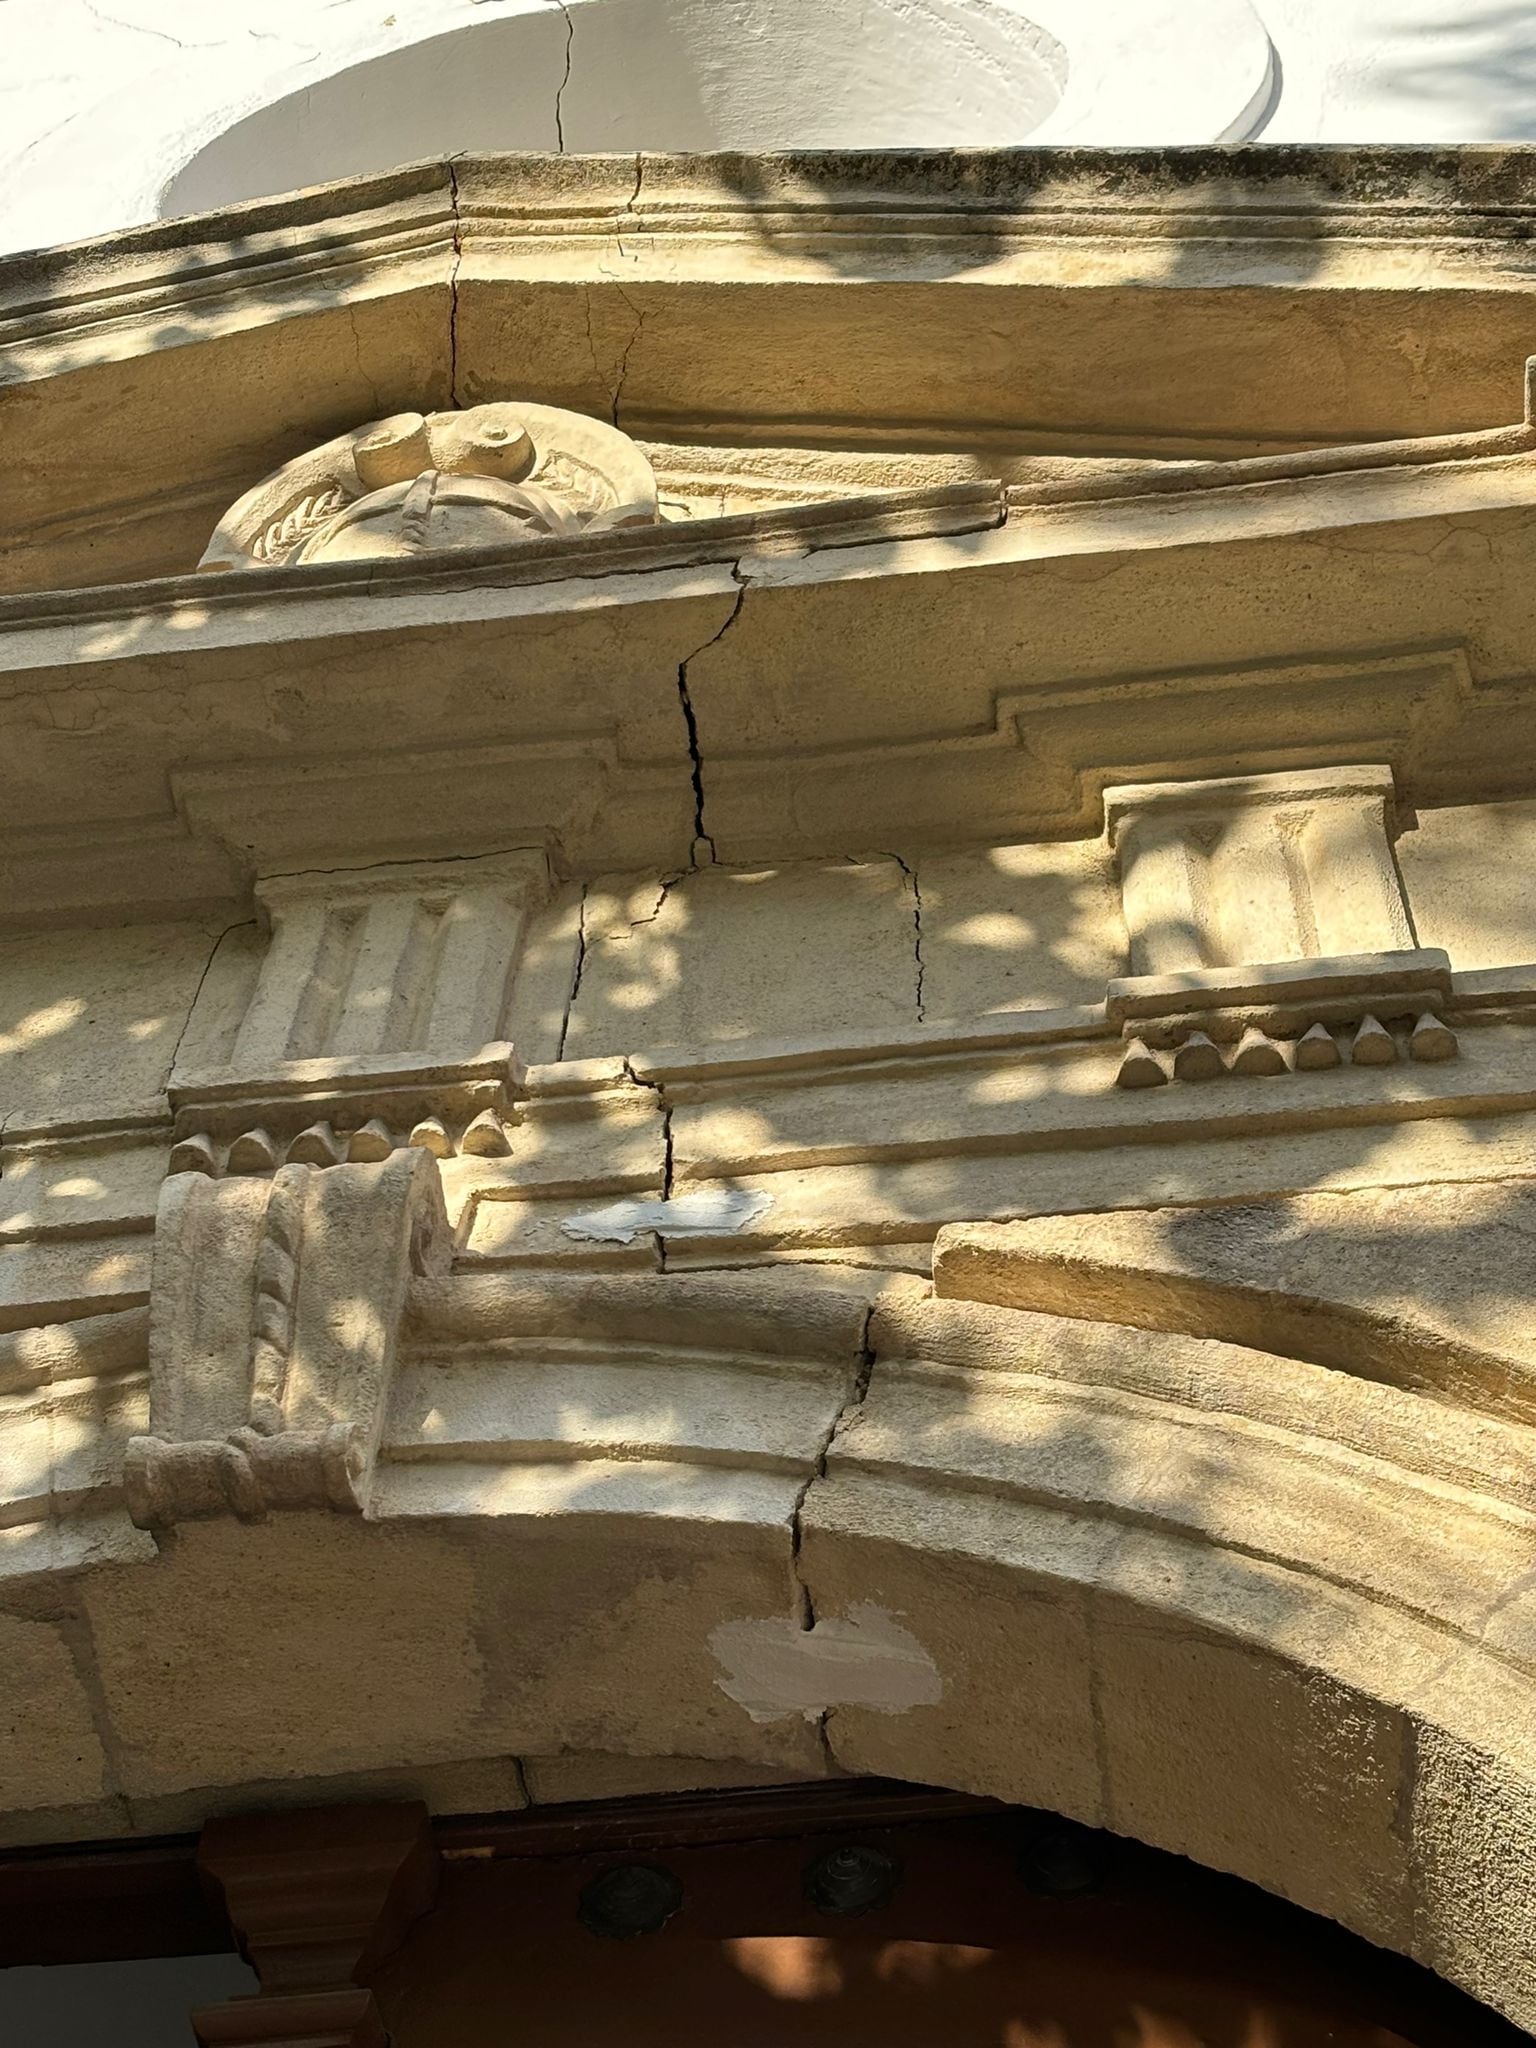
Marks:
<point>1268,929</point>
<point>377,1020</point>
<point>318,1900</point>
<point>274,1314</point>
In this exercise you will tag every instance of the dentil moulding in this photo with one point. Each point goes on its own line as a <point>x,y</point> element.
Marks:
<point>1268,929</point>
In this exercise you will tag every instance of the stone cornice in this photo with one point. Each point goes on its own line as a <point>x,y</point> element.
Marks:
<point>845,1143</point>
<point>188,601</point>
<point>931,685</point>
<point>1292,194</point>
<point>705,300</point>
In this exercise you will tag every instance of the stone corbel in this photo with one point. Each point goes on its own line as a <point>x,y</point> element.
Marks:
<point>275,1309</point>
<point>1268,929</point>
<point>318,1900</point>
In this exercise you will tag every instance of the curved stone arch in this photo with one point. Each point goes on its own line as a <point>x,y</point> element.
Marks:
<point>1255,1610</point>
<point>1200,1595</point>
<point>1251,1609</point>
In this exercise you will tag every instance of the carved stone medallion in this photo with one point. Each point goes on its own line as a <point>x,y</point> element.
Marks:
<point>417,484</point>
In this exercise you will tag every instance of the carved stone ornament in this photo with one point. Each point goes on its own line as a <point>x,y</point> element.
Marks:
<point>274,1317</point>
<point>376,1021</point>
<point>422,484</point>
<point>1268,929</point>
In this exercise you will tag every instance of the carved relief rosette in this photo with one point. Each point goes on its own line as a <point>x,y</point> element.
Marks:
<point>444,481</point>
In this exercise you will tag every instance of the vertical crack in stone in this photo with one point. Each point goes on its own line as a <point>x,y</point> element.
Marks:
<point>186,1023</point>
<point>629,210</point>
<point>917,930</point>
<point>597,370</point>
<point>364,375</point>
<point>660,1093</point>
<point>658,1237</point>
<point>691,724</point>
<point>453,285</point>
<point>852,1403</point>
<point>580,969</point>
<point>629,347</point>
<point>570,37</point>
<point>824,1737</point>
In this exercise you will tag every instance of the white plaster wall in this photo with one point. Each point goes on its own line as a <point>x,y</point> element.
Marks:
<point>104,102</point>
<point>1403,70</point>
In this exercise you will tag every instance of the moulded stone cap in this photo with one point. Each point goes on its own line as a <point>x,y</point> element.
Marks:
<point>1125,800</point>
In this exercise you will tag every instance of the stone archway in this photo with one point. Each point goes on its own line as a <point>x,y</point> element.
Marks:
<point>1263,1612</point>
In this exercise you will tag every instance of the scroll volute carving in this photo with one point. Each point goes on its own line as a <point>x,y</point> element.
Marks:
<point>275,1308</point>
<point>318,1900</point>
<point>419,484</point>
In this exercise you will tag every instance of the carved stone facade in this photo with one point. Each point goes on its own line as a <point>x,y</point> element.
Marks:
<point>587,1200</point>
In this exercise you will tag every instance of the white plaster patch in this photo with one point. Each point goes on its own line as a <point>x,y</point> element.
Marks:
<point>712,1212</point>
<point>776,1669</point>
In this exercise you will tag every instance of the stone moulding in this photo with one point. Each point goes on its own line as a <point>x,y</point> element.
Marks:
<point>1269,1457</point>
<point>616,790</point>
<point>1285,1276</point>
<point>641,1386</point>
<point>1193,1526</point>
<point>405,289</point>
<point>404,219</point>
<point>846,518</point>
<point>846,1142</point>
<point>1280,993</point>
<point>1216,873</point>
<point>319,1112</point>
<point>1288,1016</point>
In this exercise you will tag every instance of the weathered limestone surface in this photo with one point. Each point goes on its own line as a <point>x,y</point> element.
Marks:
<point>1018,927</point>
<point>1463,867</point>
<point>713,955</point>
<point>52,1748</point>
<point>342,310</point>
<point>729,953</point>
<point>89,1019</point>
